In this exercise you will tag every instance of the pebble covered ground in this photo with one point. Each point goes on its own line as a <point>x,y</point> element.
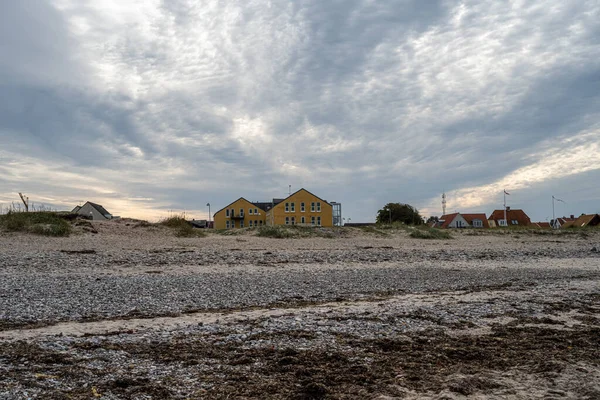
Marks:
<point>359,315</point>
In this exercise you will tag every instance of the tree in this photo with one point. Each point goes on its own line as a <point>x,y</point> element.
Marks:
<point>398,212</point>
<point>432,219</point>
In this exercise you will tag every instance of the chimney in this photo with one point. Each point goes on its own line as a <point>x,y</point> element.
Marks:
<point>507,208</point>
<point>572,216</point>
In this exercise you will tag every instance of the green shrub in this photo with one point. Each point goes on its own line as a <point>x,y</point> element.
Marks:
<point>40,223</point>
<point>430,233</point>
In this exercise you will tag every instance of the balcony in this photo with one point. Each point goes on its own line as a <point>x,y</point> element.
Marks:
<point>239,216</point>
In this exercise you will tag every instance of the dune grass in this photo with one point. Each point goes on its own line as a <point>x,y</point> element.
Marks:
<point>430,233</point>
<point>40,223</point>
<point>181,227</point>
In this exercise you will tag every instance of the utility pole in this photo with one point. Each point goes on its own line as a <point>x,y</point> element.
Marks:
<point>208,205</point>
<point>505,220</point>
<point>25,201</point>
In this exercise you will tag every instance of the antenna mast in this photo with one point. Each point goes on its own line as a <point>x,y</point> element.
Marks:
<point>444,203</point>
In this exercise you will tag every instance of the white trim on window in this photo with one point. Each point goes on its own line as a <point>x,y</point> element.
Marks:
<point>318,221</point>
<point>312,220</point>
<point>293,220</point>
<point>312,206</point>
<point>318,206</point>
<point>250,211</point>
<point>287,220</point>
<point>227,224</point>
<point>302,207</point>
<point>302,220</point>
<point>227,213</point>
<point>293,207</point>
<point>287,207</point>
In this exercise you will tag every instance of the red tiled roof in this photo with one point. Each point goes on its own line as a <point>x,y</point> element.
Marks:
<point>543,225</point>
<point>448,218</point>
<point>511,215</point>
<point>481,216</point>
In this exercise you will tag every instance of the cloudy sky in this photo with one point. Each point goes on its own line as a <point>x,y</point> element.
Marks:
<point>150,107</point>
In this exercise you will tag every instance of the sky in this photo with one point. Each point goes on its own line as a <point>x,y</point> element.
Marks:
<point>153,108</point>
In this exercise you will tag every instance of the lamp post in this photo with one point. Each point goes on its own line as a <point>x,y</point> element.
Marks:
<point>208,205</point>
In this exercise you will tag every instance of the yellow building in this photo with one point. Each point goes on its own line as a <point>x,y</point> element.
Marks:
<point>240,214</point>
<point>300,208</point>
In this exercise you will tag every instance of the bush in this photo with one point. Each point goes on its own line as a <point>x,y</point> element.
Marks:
<point>40,223</point>
<point>182,227</point>
<point>398,212</point>
<point>430,233</point>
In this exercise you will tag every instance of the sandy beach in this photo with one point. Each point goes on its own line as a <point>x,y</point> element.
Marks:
<point>135,312</point>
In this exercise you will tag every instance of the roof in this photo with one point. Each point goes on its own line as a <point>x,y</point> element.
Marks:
<point>541,224</point>
<point>480,216</point>
<point>447,220</point>
<point>76,209</point>
<point>587,220</point>
<point>266,205</point>
<point>511,215</point>
<point>298,191</point>
<point>241,198</point>
<point>99,208</point>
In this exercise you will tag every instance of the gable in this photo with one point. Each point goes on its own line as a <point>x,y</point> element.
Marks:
<point>239,203</point>
<point>299,195</point>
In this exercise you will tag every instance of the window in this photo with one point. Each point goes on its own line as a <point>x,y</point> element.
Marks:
<point>312,220</point>
<point>502,222</point>
<point>250,223</point>
<point>256,211</point>
<point>227,222</point>
<point>515,222</point>
<point>260,223</point>
<point>241,224</point>
<point>312,207</point>
<point>250,211</point>
<point>318,206</point>
<point>227,212</point>
<point>319,221</point>
<point>241,212</point>
<point>293,220</point>
<point>302,219</point>
<point>293,207</point>
<point>287,207</point>
<point>287,220</point>
<point>232,224</point>
<point>477,223</point>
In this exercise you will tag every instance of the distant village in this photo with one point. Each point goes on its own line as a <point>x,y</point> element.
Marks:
<point>307,209</point>
<point>513,217</point>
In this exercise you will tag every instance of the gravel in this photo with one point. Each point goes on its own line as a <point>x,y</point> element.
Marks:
<point>245,310</point>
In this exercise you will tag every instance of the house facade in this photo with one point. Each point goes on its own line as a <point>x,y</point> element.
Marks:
<point>240,214</point>
<point>93,210</point>
<point>300,208</point>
